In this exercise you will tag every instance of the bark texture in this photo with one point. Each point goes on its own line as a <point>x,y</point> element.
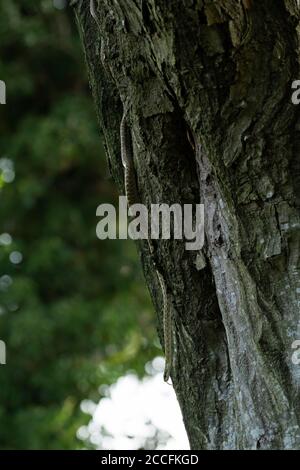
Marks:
<point>220,71</point>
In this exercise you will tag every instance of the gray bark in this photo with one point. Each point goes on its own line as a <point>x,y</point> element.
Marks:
<point>223,73</point>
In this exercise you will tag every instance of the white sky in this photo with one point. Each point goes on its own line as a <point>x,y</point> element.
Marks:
<point>132,410</point>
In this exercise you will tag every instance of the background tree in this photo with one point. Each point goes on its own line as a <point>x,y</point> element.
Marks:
<point>220,71</point>
<point>74,313</point>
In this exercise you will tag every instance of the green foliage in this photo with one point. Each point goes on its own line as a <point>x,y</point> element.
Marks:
<point>74,312</point>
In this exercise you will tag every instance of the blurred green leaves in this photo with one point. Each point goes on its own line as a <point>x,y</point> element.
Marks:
<point>73,310</point>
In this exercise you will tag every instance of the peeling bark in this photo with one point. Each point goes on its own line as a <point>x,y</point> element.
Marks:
<point>221,71</point>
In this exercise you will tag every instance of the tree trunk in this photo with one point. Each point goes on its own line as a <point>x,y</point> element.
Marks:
<point>219,73</point>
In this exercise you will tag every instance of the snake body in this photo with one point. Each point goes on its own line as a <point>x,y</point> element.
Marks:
<point>246,6</point>
<point>167,328</point>
<point>132,198</point>
<point>127,161</point>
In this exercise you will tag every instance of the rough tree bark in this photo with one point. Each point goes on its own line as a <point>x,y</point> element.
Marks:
<point>222,71</point>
